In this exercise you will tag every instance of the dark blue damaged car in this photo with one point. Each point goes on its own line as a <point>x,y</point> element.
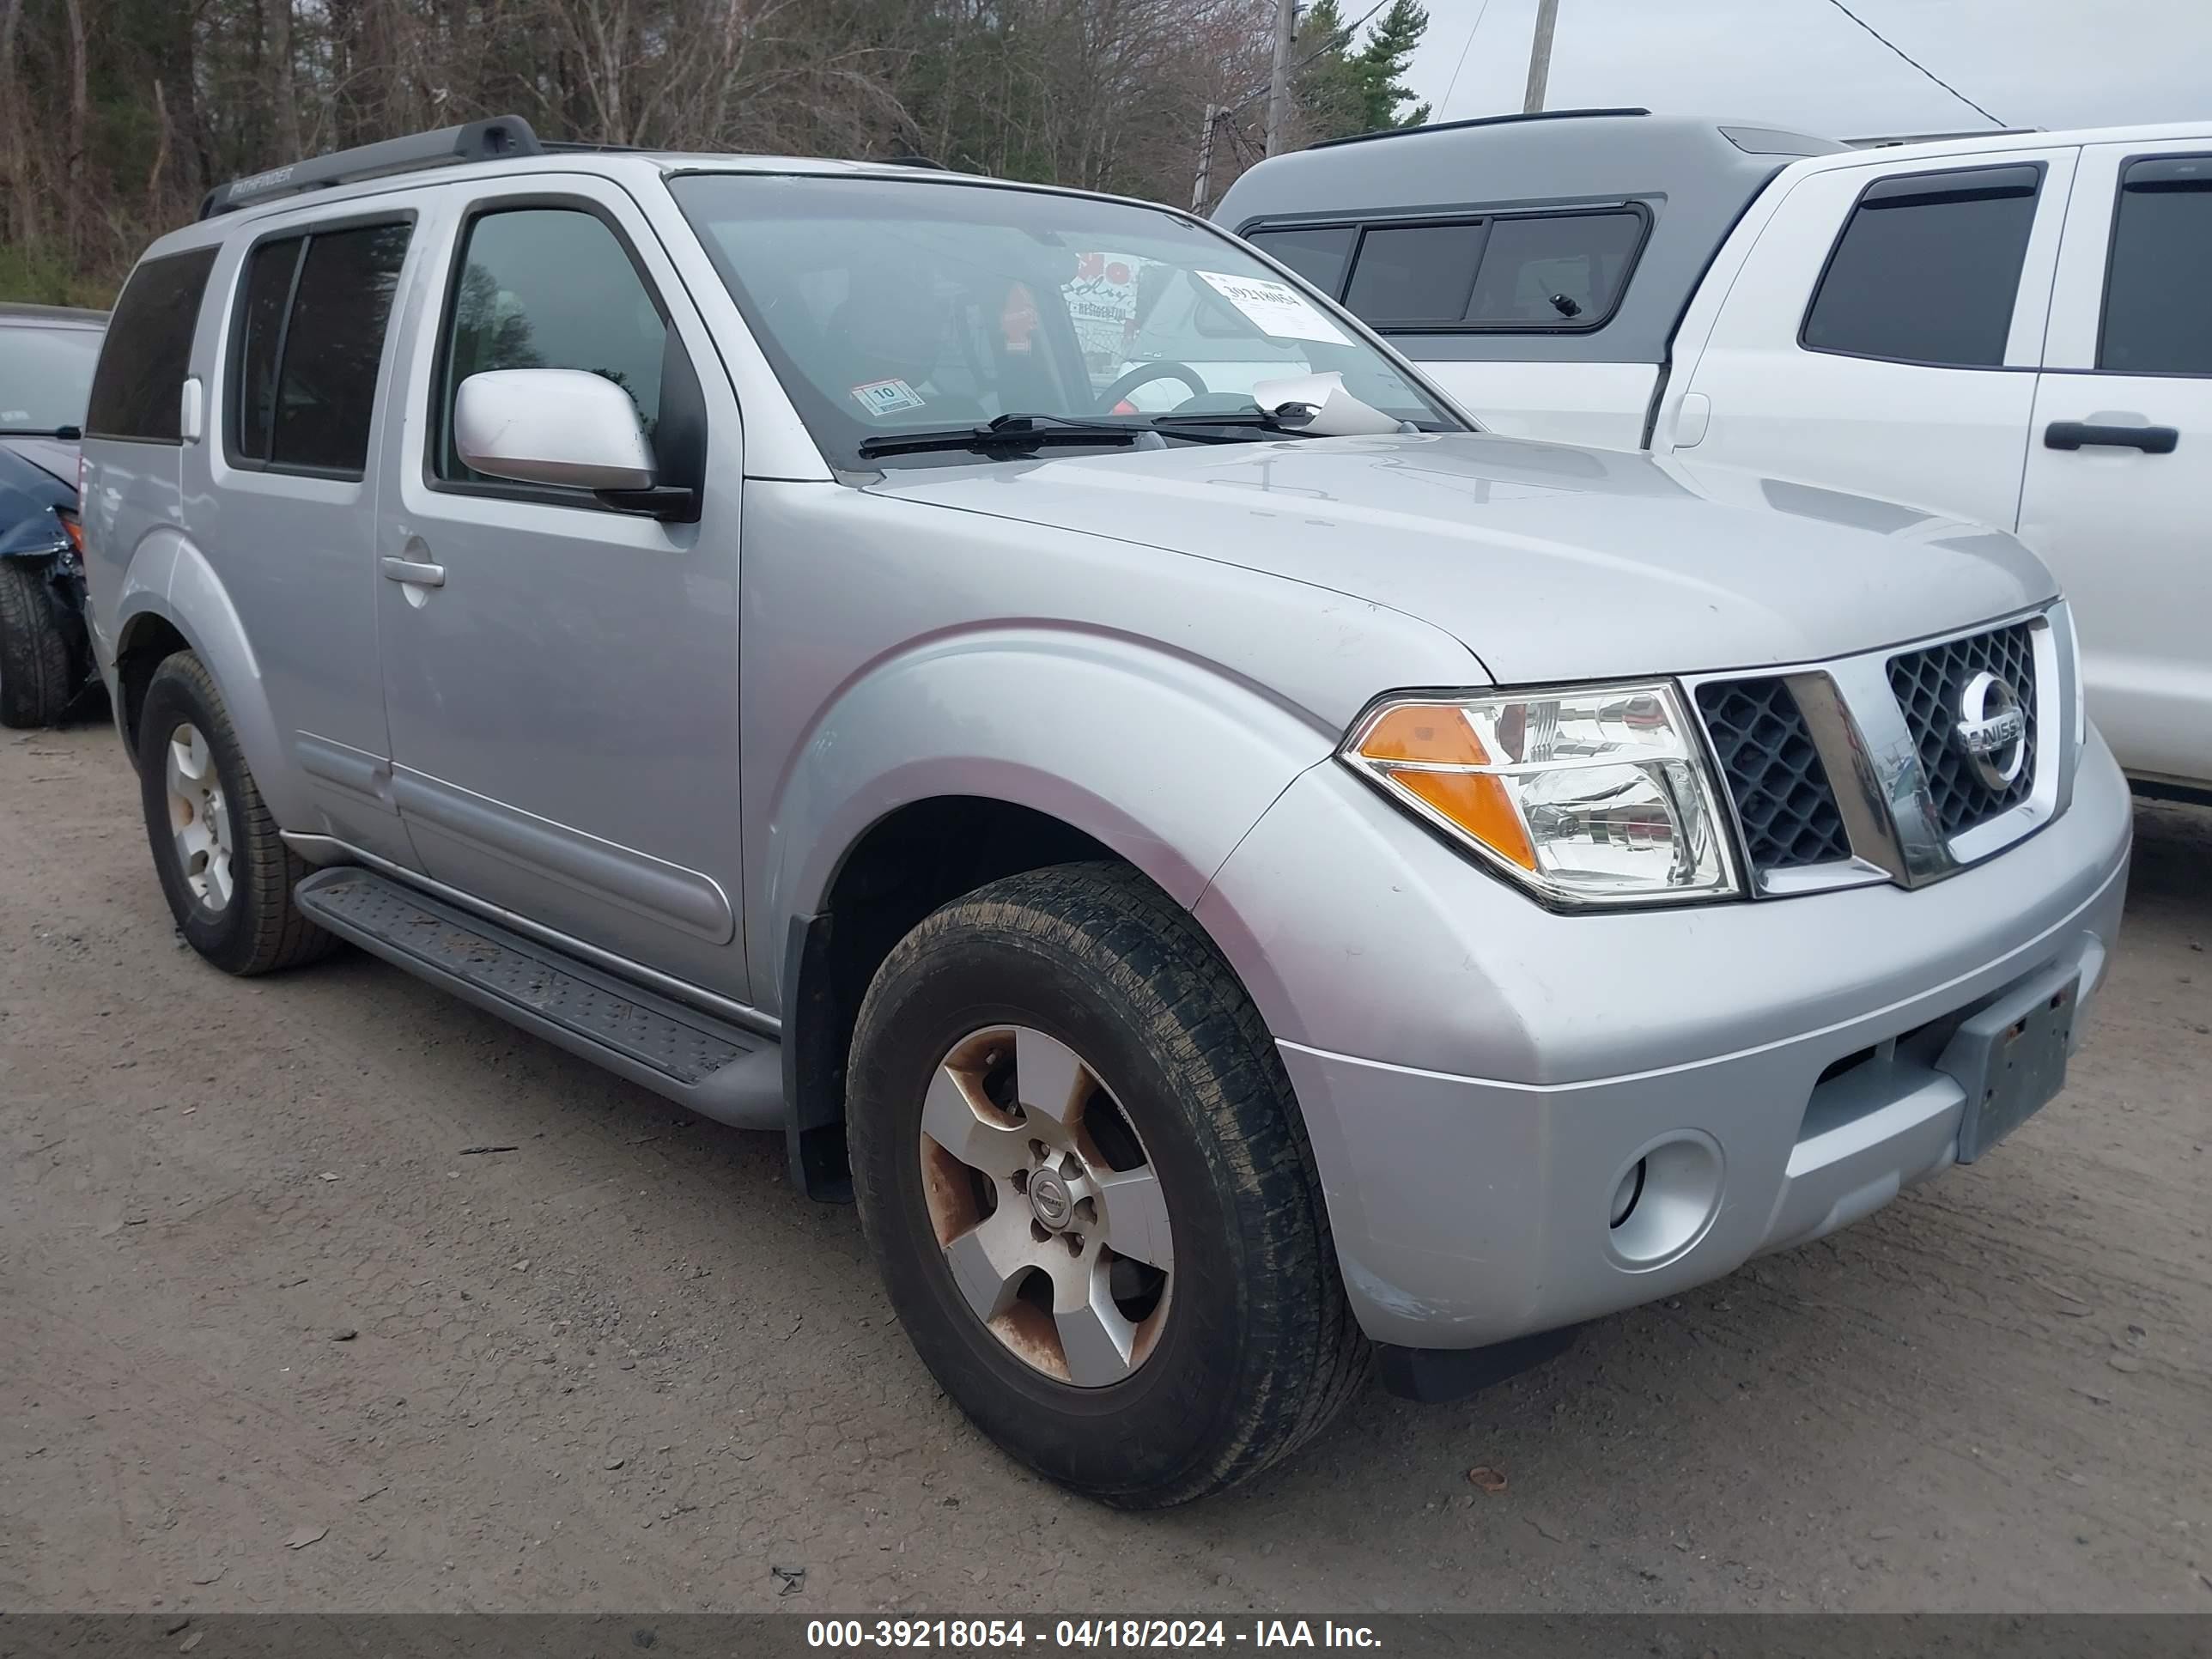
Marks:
<point>47,358</point>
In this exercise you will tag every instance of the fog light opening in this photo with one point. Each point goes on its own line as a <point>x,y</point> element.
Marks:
<point>1626,1195</point>
<point>1662,1203</point>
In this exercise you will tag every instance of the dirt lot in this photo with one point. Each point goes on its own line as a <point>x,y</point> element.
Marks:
<point>252,1291</point>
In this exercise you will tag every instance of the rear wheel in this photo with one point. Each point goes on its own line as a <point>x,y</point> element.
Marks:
<point>225,869</point>
<point>34,654</point>
<point>1081,1169</point>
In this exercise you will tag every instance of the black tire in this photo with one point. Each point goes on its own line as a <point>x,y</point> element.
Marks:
<point>261,928</point>
<point>1257,1348</point>
<point>35,653</point>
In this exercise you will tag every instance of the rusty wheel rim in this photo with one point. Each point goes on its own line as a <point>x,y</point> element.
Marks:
<point>1046,1205</point>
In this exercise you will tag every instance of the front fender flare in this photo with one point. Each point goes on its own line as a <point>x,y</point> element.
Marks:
<point>1165,759</point>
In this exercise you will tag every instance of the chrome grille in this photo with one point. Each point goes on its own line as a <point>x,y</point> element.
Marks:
<point>1784,800</point>
<point>1857,770</point>
<point>1929,684</point>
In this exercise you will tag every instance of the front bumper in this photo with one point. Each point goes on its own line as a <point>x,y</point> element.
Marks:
<point>1774,1065</point>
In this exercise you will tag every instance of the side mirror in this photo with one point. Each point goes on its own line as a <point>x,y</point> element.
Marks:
<point>557,426</point>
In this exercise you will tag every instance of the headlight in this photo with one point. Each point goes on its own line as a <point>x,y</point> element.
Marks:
<point>1585,794</point>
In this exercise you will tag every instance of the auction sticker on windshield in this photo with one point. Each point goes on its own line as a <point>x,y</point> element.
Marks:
<point>1276,309</point>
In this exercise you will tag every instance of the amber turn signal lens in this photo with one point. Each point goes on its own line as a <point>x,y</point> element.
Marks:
<point>1440,735</point>
<point>1432,733</point>
<point>1480,805</point>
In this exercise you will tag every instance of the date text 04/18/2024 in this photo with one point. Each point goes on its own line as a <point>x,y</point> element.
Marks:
<point>1082,1635</point>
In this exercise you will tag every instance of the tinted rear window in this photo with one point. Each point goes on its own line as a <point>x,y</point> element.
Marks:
<point>138,387</point>
<point>2158,295</point>
<point>1514,273</point>
<point>269,272</point>
<point>1558,268</point>
<point>326,389</point>
<point>311,318</point>
<point>1415,273</point>
<point>1318,254</point>
<point>1926,269</point>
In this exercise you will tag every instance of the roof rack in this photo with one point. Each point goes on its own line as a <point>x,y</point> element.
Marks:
<point>1476,121</point>
<point>473,141</point>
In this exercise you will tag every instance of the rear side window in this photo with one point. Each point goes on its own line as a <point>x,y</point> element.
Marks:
<point>1511,273</point>
<point>1926,269</point>
<point>1415,273</point>
<point>1320,254</point>
<point>1562,267</point>
<point>138,385</point>
<point>2157,292</point>
<point>548,288</point>
<point>312,314</point>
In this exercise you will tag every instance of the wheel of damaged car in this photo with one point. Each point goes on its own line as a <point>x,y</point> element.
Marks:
<point>1083,1176</point>
<point>34,655</point>
<point>224,867</point>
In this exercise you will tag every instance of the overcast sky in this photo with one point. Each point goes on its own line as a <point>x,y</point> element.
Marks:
<point>1801,64</point>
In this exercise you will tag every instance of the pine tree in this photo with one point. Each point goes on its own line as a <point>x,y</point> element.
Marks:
<point>1381,66</point>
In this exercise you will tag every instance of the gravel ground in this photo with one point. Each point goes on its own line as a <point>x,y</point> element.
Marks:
<point>274,1340</point>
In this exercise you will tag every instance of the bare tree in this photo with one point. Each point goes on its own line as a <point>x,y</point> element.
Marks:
<point>115,114</point>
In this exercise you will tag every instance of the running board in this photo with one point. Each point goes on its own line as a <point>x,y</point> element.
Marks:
<point>719,1070</point>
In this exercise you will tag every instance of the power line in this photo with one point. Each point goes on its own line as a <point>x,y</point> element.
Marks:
<point>1915,63</point>
<point>1451,85</point>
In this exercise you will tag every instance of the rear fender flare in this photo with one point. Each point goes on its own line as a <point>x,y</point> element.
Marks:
<point>169,579</point>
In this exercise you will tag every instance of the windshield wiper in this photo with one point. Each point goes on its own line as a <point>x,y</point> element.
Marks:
<point>1011,434</point>
<point>1286,426</point>
<point>67,434</point>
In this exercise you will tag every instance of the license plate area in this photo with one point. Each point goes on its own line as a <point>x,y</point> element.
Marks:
<point>2010,1058</point>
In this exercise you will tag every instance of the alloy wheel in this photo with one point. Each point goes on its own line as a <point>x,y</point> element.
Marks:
<point>1048,1208</point>
<point>199,818</point>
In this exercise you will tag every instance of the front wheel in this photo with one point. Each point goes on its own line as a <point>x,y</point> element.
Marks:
<point>1081,1172</point>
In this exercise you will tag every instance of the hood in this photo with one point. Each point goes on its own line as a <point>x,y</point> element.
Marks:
<point>1548,562</point>
<point>28,497</point>
<point>51,456</point>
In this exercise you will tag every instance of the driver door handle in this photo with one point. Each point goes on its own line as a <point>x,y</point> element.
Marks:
<point>2076,434</point>
<point>414,574</point>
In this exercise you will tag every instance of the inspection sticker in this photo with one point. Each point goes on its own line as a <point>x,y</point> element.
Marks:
<point>887,397</point>
<point>1276,309</point>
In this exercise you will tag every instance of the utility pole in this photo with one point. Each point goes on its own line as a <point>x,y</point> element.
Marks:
<point>1198,191</point>
<point>1278,86</point>
<point>1540,56</point>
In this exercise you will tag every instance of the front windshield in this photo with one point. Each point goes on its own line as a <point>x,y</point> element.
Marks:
<point>893,306</point>
<point>45,376</point>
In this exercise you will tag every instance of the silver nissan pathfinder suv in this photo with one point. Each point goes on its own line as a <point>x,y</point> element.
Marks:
<point>1233,872</point>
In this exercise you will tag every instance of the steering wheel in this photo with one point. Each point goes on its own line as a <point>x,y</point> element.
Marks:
<point>1143,375</point>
